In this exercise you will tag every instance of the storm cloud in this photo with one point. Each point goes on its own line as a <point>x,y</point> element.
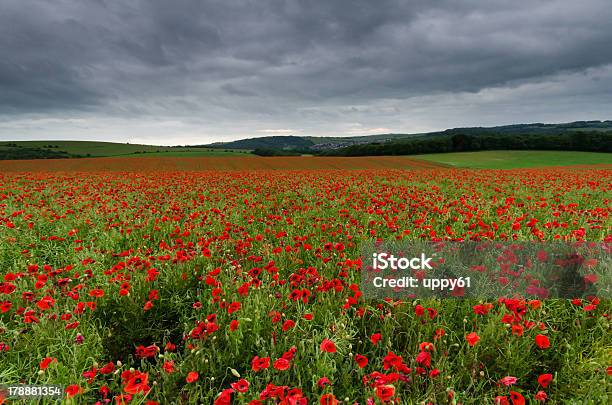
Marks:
<point>191,71</point>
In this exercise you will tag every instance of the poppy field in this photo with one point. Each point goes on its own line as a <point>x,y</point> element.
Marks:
<point>157,283</point>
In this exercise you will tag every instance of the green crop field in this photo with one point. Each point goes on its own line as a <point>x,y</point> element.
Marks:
<point>97,149</point>
<point>515,159</point>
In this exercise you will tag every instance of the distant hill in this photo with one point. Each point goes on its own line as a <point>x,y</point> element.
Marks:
<point>536,128</point>
<point>11,150</point>
<point>317,144</point>
<point>306,142</point>
<point>586,141</point>
<point>267,142</point>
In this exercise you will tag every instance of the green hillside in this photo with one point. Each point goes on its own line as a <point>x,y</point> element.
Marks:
<point>67,149</point>
<point>267,142</point>
<point>513,159</point>
<point>331,143</point>
<point>321,140</point>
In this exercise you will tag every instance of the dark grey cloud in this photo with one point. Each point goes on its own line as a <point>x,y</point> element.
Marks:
<point>191,69</point>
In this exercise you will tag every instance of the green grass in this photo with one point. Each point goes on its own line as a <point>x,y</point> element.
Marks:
<point>514,159</point>
<point>98,149</point>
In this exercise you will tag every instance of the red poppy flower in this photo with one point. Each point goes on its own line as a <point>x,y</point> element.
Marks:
<point>46,361</point>
<point>542,341</point>
<point>517,330</point>
<point>96,293</point>
<point>323,382</point>
<point>73,390</point>
<point>328,399</point>
<point>168,366</point>
<point>535,304</point>
<point>137,383</point>
<point>424,359</point>
<point>260,363</point>
<point>545,379</point>
<point>233,307</point>
<point>501,400</point>
<point>90,375</point>
<point>482,309</point>
<point>541,396</point>
<point>426,346</point>
<point>288,324</point>
<point>5,306</point>
<point>508,381</point>
<point>361,360</point>
<point>282,364</point>
<point>234,325</point>
<point>385,392</point>
<point>108,368</point>
<point>375,338</point>
<point>472,338</point>
<point>516,398</point>
<point>192,377</point>
<point>123,399</point>
<point>328,346</point>
<point>241,385</point>
<point>225,398</point>
<point>289,354</point>
<point>419,310</point>
<point>146,352</point>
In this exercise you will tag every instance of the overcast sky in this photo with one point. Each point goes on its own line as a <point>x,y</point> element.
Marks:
<point>193,71</point>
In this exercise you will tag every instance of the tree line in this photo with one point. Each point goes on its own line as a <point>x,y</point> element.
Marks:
<point>589,141</point>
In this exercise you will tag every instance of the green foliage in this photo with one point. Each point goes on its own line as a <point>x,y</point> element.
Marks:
<point>14,152</point>
<point>580,141</point>
<point>268,142</point>
<point>66,149</point>
<point>276,152</point>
